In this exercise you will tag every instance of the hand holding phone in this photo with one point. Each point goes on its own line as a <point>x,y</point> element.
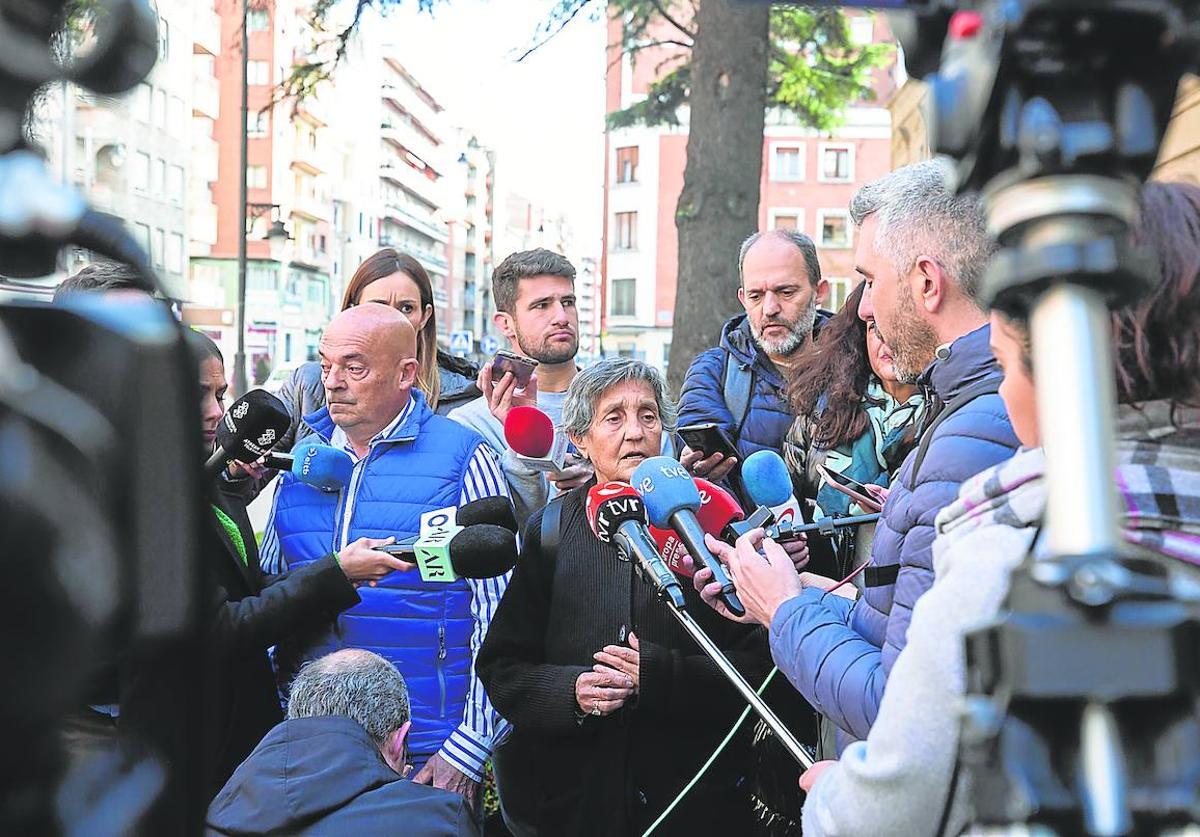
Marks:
<point>708,438</point>
<point>520,367</point>
<point>852,488</point>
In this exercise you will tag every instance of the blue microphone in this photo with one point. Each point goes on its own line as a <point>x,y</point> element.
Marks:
<point>672,500</point>
<point>315,464</point>
<point>769,484</point>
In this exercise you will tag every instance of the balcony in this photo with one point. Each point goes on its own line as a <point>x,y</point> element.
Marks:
<point>204,158</point>
<point>416,218</point>
<point>312,207</point>
<point>206,28</point>
<point>206,96</point>
<point>397,170</point>
<point>401,132</point>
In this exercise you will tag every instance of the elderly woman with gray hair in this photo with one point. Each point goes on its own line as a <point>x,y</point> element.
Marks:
<point>617,706</point>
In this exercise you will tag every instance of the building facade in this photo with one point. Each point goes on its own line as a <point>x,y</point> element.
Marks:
<point>807,181</point>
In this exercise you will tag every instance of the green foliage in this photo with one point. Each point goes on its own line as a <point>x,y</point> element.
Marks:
<point>814,70</point>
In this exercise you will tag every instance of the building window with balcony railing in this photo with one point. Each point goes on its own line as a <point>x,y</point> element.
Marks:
<point>623,298</point>
<point>626,237</point>
<point>627,163</point>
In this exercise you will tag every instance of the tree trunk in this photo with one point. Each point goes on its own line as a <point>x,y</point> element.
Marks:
<point>718,206</point>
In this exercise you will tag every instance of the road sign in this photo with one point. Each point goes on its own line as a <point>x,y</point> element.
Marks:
<point>490,344</point>
<point>460,343</point>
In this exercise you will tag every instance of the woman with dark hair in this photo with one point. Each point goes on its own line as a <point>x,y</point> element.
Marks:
<point>902,778</point>
<point>854,417</point>
<point>397,279</point>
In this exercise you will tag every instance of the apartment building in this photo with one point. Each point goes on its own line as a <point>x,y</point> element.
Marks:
<point>807,181</point>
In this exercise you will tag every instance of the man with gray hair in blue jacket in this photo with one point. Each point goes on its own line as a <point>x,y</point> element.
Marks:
<point>921,251</point>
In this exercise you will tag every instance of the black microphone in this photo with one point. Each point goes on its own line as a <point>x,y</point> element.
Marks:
<point>616,512</point>
<point>251,426</point>
<point>495,510</point>
<point>481,550</point>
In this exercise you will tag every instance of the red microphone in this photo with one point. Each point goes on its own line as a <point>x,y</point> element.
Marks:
<point>617,515</point>
<point>534,440</point>
<point>717,510</point>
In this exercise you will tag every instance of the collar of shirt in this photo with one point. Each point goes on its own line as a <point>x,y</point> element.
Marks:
<point>338,438</point>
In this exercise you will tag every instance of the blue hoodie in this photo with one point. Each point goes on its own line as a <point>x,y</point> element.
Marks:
<point>326,776</point>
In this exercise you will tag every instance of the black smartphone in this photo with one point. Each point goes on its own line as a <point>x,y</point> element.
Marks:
<point>521,367</point>
<point>852,488</point>
<point>843,480</point>
<point>708,438</point>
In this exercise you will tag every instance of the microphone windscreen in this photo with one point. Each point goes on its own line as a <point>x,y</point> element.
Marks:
<point>666,487</point>
<point>252,425</point>
<point>483,550</point>
<point>611,504</point>
<point>717,510</point>
<point>529,432</point>
<point>494,510</point>
<point>766,478</point>
<point>321,466</point>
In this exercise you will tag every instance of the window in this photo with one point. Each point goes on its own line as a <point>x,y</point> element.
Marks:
<point>837,163</point>
<point>160,108</point>
<point>160,246</point>
<point>257,124</point>
<point>627,162</point>
<point>833,228</point>
<point>256,177</point>
<point>177,122</point>
<point>143,99</point>
<point>626,238</point>
<point>785,218</point>
<point>623,298</point>
<point>316,291</point>
<point>141,234</point>
<point>175,181</point>
<point>787,161</point>
<point>139,172</point>
<point>175,253</point>
<point>164,40</point>
<point>839,289</point>
<point>158,179</point>
<point>258,20</point>
<point>258,72</point>
<point>260,279</point>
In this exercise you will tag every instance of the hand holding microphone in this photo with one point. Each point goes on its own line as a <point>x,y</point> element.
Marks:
<point>762,571</point>
<point>362,560</point>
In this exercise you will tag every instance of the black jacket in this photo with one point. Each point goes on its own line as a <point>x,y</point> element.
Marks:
<point>326,776</point>
<point>249,614</point>
<point>614,775</point>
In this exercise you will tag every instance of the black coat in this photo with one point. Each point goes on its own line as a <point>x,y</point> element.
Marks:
<point>326,776</point>
<point>614,775</point>
<point>249,614</point>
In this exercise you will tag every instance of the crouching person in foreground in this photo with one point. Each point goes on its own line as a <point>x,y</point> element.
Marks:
<point>337,765</point>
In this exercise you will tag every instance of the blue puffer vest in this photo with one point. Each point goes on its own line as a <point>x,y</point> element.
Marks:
<point>423,628</point>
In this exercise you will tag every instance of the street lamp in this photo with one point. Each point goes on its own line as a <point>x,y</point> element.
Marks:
<point>277,235</point>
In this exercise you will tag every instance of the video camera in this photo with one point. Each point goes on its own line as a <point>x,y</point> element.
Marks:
<point>100,478</point>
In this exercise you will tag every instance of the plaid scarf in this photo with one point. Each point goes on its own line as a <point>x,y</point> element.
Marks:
<point>1157,475</point>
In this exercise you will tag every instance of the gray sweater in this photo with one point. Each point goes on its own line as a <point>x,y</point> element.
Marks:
<point>530,489</point>
<point>897,781</point>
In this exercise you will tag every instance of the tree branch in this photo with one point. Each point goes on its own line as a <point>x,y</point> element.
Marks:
<point>665,15</point>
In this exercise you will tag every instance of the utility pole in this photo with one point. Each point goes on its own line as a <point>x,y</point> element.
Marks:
<point>239,358</point>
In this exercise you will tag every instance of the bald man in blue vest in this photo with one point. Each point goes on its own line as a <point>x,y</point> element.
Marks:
<point>408,461</point>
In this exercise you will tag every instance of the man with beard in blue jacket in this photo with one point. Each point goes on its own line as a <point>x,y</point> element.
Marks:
<point>338,764</point>
<point>740,385</point>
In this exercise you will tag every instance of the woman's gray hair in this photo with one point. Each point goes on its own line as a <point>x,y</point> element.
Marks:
<point>355,684</point>
<point>920,214</point>
<point>579,408</point>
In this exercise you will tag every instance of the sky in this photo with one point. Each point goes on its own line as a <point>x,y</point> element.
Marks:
<point>544,116</point>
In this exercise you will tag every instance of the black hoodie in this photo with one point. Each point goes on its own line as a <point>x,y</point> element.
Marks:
<point>326,776</point>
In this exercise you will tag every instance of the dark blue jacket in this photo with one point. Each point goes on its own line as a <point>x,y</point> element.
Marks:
<point>423,628</point>
<point>839,655</point>
<point>326,776</point>
<point>702,398</point>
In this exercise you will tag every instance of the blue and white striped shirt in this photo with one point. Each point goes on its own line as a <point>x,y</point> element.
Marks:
<point>471,744</point>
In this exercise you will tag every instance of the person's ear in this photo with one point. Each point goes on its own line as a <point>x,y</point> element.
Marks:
<point>580,443</point>
<point>408,368</point>
<point>742,296</point>
<point>425,318</point>
<point>822,291</point>
<point>504,322</point>
<point>394,750</point>
<point>929,284</point>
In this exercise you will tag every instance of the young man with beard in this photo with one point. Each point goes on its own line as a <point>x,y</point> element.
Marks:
<point>534,291</point>
<point>781,287</point>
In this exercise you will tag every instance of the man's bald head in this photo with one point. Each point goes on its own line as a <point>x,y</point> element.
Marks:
<point>368,365</point>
